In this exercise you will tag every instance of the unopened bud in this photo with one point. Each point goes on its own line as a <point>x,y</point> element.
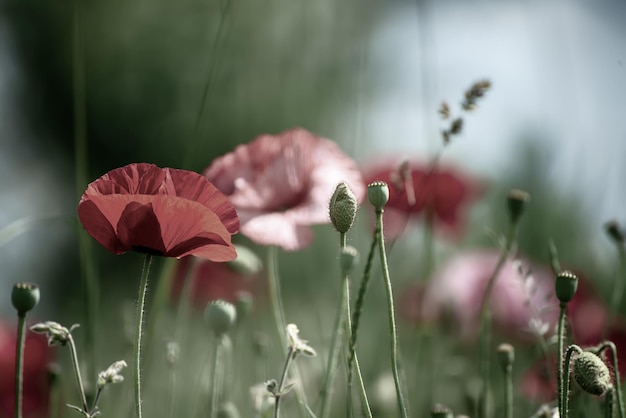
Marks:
<point>591,374</point>
<point>517,200</point>
<point>506,356</point>
<point>342,208</point>
<point>349,259</point>
<point>247,262</point>
<point>615,232</point>
<point>24,297</point>
<point>565,286</point>
<point>220,316</point>
<point>378,194</point>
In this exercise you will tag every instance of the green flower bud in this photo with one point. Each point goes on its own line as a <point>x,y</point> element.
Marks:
<point>441,411</point>
<point>342,208</point>
<point>615,232</point>
<point>349,259</point>
<point>591,374</point>
<point>378,194</point>
<point>25,296</point>
<point>565,286</point>
<point>516,201</point>
<point>506,356</point>
<point>220,316</point>
<point>247,262</point>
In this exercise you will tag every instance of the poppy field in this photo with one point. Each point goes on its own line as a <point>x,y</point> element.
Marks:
<point>289,269</point>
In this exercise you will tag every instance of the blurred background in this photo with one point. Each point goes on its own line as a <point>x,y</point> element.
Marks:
<point>180,83</point>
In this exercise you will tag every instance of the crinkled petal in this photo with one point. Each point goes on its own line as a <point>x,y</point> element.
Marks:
<point>139,229</point>
<point>99,225</point>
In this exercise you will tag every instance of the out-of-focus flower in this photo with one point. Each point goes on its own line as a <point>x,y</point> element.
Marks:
<point>440,194</point>
<point>160,211</point>
<point>112,374</point>
<point>518,300</point>
<point>36,385</point>
<point>297,344</point>
<point>281,185</point>
<point>212,281</point>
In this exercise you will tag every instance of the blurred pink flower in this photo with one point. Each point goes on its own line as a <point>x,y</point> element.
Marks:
<point>37,357</point>
<point>282,184</point>
<point>441,194</point>
<point>521,303</point>
<point>212,281</point>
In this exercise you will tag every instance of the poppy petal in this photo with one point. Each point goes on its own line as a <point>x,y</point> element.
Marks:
<point>139,229</point>
<point>98,225</point>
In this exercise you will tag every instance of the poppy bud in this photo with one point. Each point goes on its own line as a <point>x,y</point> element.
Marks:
<point>349,259</point>
<point>615,232</point>
<point>591,374</point>
<point>221,316</point>
<point>342,208</point>
<point>565,286</point>
<point>441,411</point>
<point>378,194</point>
<point>506,356</point>
<point>244,304</point>
<point>24,297</point>
<point>247,262</point>
<point>517,200</point>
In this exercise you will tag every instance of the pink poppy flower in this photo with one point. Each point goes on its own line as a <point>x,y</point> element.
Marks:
<point>441,194</point>
<point>282,184</point>
<point>161,211</point>
<point>212,281</point>
<point>36,386</point>
<point>520,303</point>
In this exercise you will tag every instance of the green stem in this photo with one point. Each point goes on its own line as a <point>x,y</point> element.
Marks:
<point>560,359</point>
<point>197,132</point>
<point>392,321</point>
<point>608,403</point>
<point>79,379</point>
<point>279,318</point>
<point>283,377</point>
<point>141,302</point>
<point>87,262</point>
<point>19,362</point>
<point>215,378</point>
<point>618,289</point>
<point>565,401</point>
<point>508,392</point>
<point>485,323</point>
<point>611,346</point>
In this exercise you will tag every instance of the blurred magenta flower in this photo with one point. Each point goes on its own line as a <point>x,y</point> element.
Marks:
<point>441,194</point>
<point>522,303</point>
<point>161,211</point>
<point>213,281</point>
<point>36,386</point>
<point>282,184</point>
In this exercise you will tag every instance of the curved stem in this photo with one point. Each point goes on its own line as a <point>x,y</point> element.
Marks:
<point>568,357</point>
<point>611,346</point>
<point>19,362</point>
<point>141,302</point>
<point>392,321</point>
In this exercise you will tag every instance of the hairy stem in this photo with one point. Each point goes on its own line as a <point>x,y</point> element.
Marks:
<point>141,302</point>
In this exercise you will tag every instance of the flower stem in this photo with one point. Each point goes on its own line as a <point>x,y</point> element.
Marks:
<point>392,321</point>
<point>79,379</point>
<point>560,359</point>
<point>141,302</point>
<point>19,362</point>
<point>279,318</point>
<point>568,357</point>
<point>485,323</point>
<point>508,392</point>
<point>283,377</point>
<point>620,401</point>
<point>618,289</point>
<point>87,262</point>
<point>215,378</point>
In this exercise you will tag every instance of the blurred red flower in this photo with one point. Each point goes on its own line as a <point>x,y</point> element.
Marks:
<point>212,281</point>
<point>36,387</point>
<point>522,300</point>
<point>282,184</point>
<point>161,211</point>
<point>440,193</point>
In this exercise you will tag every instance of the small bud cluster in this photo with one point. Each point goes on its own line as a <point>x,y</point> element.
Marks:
<point>112,374</point>
<point>297,344</point>
<point>475,92</point>
<point>441,411</point>
<point>56,333</point>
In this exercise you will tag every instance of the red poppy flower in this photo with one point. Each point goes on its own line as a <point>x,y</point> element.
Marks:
<point>161,211</point>
<point>439,193</point>
<point>282,184</point>
<point>36,387</point>
<point>212,281</point>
